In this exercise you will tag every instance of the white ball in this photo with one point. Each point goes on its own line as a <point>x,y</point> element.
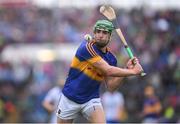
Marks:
<point>102,9</point>
<point>88,37</point>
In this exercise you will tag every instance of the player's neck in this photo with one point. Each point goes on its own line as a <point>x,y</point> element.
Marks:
<point>104,49</point>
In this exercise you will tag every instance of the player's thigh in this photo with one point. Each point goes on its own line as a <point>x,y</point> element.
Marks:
<point>93,111</point>
<point>97,115</point>
<point>67,110</point>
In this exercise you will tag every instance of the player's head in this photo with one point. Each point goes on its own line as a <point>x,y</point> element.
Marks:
<point>102,32</point>
<point>104,25</point>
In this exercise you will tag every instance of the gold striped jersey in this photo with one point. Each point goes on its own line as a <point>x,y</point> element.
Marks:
<point>83,81</point>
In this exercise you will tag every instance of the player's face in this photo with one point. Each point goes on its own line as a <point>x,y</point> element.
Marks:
<point>102,37</point>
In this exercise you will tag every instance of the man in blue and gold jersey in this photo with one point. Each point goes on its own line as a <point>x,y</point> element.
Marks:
<point>92,65</point>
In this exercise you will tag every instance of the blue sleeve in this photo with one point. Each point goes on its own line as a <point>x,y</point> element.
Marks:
<point>115,62</point>
<point>112,60</point>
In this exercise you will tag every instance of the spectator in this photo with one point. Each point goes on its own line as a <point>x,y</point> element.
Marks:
<point>152,106</point>
<point>113,103</point>
<point>50,101</point>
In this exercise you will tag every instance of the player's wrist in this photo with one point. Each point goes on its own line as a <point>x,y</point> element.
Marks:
<point>129,71</point>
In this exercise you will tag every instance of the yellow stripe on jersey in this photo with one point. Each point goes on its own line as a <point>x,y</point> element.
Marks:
<point>94,59</point>
<point>87,68</point>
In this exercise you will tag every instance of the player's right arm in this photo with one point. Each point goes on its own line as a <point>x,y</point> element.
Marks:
<point>89,52</point>
<point>113,71</point>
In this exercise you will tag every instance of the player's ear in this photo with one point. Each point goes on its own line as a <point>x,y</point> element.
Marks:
<point>110,36</point>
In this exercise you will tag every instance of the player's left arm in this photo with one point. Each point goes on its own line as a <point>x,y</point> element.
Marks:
<point>113,83</point>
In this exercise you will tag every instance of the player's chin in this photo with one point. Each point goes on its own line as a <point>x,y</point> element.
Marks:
<point>101,45</point>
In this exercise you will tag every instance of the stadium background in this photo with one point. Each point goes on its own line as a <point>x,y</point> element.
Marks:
<point>38,40</point>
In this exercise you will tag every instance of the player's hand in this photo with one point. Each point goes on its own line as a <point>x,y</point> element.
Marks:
<point>131,62</point>
<point>137,68</point>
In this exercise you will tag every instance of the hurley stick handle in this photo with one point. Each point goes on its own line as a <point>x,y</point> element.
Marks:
<point>130,54</point>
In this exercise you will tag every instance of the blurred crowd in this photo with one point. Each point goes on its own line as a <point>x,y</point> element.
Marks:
<point>153,36</point>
